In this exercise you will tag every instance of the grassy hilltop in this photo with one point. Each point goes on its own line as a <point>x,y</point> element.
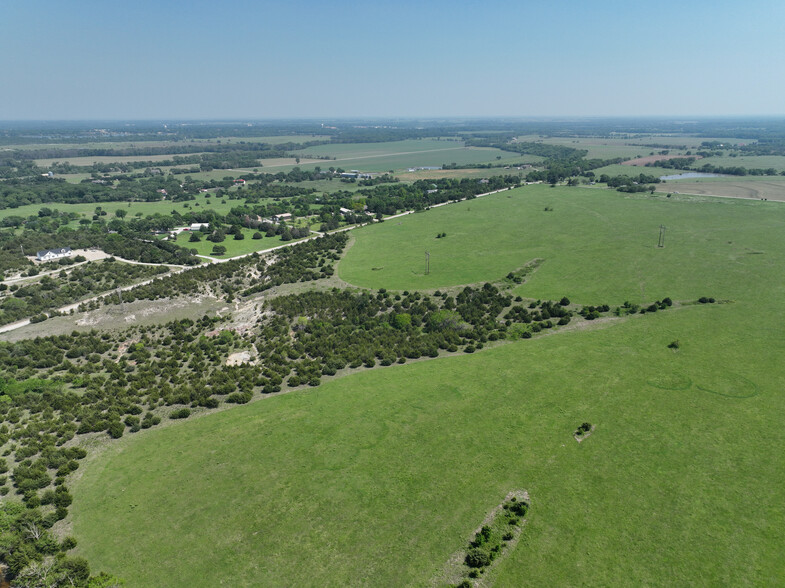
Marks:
<point>377,478</point>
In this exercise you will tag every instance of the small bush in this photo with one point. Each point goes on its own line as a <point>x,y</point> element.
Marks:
<point>477,558</point>
<point>116,429</point>
<point>180,413</point>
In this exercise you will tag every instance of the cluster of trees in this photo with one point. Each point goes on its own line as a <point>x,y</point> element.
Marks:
<point>390,199</point>
<point>624,180</point>
<point>490,540</point>
<point>53,291</point>
<point>307,261</point>
<point>35,557</point>
<point>561,162</point>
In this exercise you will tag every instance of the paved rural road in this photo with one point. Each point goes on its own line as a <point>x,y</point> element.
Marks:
<point>180,269</point>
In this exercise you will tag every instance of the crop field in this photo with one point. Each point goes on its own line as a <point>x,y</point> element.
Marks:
<point>377,478</point>
<point>400,155</point>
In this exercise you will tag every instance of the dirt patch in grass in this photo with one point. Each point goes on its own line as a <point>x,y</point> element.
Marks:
<point>772,189</point>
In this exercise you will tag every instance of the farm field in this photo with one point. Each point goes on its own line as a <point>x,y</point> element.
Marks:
<point>769,187</point>
<point>377,478</point>
<point>750,162</point>
<point>400,155</point>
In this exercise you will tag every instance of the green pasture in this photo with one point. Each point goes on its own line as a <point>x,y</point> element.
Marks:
<point>200,201</point>
<point>750,162</point>
<point>74,178</point>
<point>596,245</point>
<point>233,247</point>
<point>377,478</point>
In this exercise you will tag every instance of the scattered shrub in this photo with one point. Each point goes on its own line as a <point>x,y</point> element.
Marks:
<point>180,413</point>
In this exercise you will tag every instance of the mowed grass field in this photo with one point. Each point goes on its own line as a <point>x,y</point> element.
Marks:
<point>591,239</point>
<point>377,478</point>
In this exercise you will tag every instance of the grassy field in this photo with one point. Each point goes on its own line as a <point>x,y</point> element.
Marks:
<point>750,162</point>
<point>597,148</point>
<point>233,247</point>
<point>769,187</point>
<point>90,160</point>
<point>401,155</point>
<point>590,240</point>
<point>375,479</point>
<point>133,208</point>
<point>630,170</point>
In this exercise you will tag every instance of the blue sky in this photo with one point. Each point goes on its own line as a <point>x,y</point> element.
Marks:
<point>113,59</point>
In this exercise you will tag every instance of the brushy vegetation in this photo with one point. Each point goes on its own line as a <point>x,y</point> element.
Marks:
<point>30,298</point>
<point>128,380</point>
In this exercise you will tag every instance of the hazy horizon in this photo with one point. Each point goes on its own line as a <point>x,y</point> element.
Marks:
<point>89,60</point>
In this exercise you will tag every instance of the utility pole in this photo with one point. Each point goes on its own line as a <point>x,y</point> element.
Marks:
<point>427,263</point>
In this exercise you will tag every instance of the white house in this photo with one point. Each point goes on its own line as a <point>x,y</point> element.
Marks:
<point>50,254</point>
<point>199,226</point>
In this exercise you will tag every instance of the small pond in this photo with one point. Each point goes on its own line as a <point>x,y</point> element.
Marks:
<point>689,175</point>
